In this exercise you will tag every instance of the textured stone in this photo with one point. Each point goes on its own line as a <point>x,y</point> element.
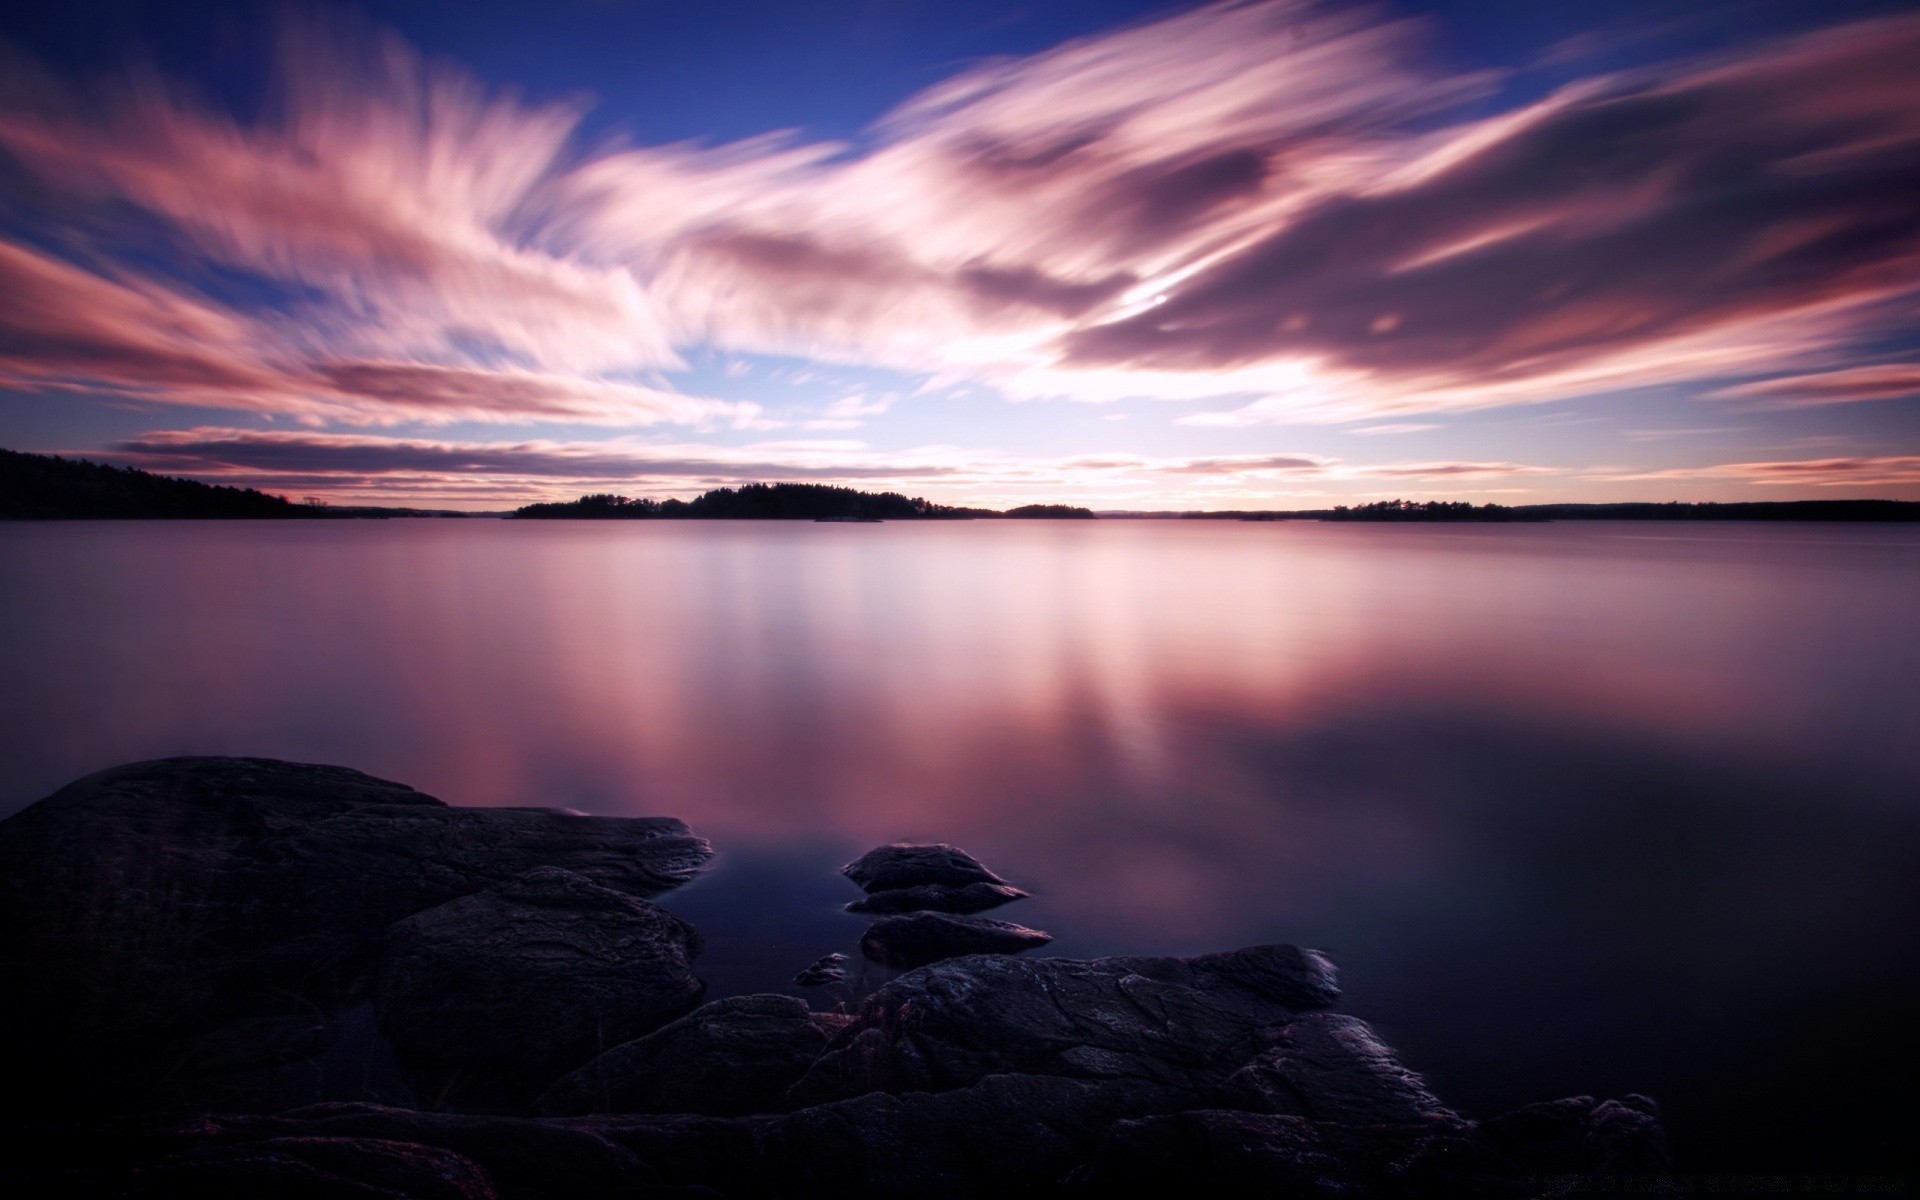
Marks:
<point>907,864</point>
<point>916,939</point>
<point>937,897</point>
<point>823,971</point>
<point>150,906</point>
<point>1182,1023</point>
<point>733,1057</point>
<point>489,998</point>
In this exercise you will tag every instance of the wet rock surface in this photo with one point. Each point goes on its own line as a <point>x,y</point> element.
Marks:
<point>983,1075</point>
<point>823,971</point>
<point>938,897</point>
<point>920,938</point>
<point>908,865</point>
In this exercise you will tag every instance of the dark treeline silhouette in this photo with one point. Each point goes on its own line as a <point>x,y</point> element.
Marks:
<point>46,487</point>
<point>1050,512</point>
<point>1428,510</point>
<point>43,486</point>
<point>1437,511</point>
<point>780,502</point>
<point>1753,510</point>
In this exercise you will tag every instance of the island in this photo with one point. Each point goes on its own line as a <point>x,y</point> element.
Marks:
<point>784,502</point>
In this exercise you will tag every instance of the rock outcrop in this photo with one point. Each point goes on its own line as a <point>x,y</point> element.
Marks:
<point>1179,1024</point>
<point>494,967</point>
<point>489,998</point>
<point>186,931</point>
<point>733,1057</point>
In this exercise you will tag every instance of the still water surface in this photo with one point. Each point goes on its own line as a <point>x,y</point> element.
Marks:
<point>1578,808</point>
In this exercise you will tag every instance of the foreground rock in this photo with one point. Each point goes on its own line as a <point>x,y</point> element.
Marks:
<point>906,865</point>
<point>824,971</point>
<point>1181,1025</point>
<point>925,937</point>
<point>984,1075</point>
<point>490,997</point>
<point>733,1057</point>
<point>938,897</point>
<point>979,1077</point>
<point>187,931</point>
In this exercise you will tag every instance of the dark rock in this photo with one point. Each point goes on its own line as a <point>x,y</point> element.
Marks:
<point>315,1168</point>
<point>905,865</point>
<point>1010,1135</point>
<point>732,1057</point>
<point>488,998</point>
<point>920,938</point>
<point>823,971</point>
<point>1332,1067</point>
<point>1626,1137</point>
<point>152,904</point>
<point>938,897</point>
<point>1219,1153</point>
<point>1180,1023</point>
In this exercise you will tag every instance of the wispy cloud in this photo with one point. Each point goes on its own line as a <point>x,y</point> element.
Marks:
<point>290,460</point>
<point>1265,201</point>
<point>1898,470</point>
<point>1880,381</point>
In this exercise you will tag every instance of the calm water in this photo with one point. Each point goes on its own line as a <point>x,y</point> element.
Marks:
<point>1586,808</point>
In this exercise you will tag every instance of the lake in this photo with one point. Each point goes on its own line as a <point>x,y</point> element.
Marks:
<point>1585,808</point>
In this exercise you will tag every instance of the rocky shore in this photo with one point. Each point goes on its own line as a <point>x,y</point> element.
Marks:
<point>249,978</point>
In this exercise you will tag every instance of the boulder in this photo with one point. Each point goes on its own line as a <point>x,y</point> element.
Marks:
<point>489,998</point>
<point>938,897</point>
<point>907,864</point>
<point>154,904</point>
<point>733,1057</point>
<point>920,938</point>
<point>823,971</point>
<point>1182,1024</point>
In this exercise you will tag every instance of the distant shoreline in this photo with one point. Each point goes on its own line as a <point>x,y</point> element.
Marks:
<point>44,487</point>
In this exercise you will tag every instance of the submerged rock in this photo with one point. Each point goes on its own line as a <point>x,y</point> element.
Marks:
<point>732,1057</point>
<point>925,937</point>
<point>938,897</point>
<point>829,969</point>
<point>489,998</point>
<point>906,865</point>
<point>159,908</point>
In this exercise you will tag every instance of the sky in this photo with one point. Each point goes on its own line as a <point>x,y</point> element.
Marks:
<point>1127,255</point>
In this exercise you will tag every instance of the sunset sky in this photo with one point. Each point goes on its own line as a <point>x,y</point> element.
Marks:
<point>1133,256</point>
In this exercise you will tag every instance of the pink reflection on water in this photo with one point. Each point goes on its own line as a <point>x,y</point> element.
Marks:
<point>1050,693</point>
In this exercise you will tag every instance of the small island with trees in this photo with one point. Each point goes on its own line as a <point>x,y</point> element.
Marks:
<point>784,502</point>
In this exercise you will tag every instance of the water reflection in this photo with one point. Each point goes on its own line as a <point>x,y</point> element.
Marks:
<point>1579,808</point>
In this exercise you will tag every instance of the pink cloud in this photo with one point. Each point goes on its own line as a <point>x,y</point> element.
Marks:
<point>1881,381</point>
<point>1267,202</point>
<point>1897,470</point>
